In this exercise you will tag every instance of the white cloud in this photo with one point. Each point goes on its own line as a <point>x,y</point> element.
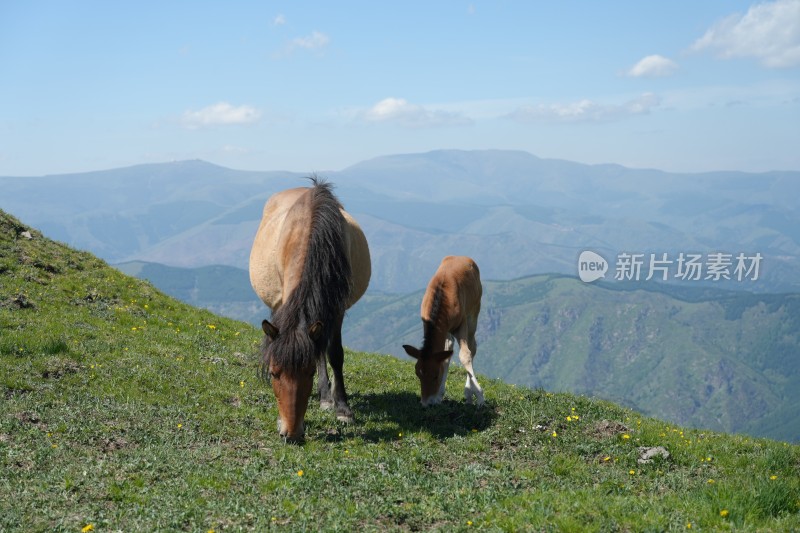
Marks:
<point>220,114</point>
<point>586,110</point>
<point>400,111</point>
<point>230,149</point>
<point>279,20</point>
<point>315,41</point>
<point>654,66</point>
<point>769,32</point>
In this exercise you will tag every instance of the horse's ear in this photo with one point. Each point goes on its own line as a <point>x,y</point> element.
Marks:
<point>315,330</point>
<point>441,356</point>
<point>410,350</point>
<point>269,330</point>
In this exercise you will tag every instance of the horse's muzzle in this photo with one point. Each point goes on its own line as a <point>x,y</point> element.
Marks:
<point>292,438</point>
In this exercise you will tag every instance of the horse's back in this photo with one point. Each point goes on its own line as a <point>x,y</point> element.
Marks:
<point>459,277</point>
<point>279,249</point>
<point>266,271</point>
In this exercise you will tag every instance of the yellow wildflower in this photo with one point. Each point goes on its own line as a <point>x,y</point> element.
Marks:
<point>87,527</point>
<point>300,473</point>
<point>773,477</point>
<point>723,513</point>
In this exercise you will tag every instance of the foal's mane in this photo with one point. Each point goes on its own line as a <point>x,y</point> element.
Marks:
<point>323,290</point>
<point>429,326</point>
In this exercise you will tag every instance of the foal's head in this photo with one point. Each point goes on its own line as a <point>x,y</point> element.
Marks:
<point>289,362</point>
<point>430,369</point>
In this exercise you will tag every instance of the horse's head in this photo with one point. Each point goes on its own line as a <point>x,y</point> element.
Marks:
<point>289,362</point>
<point>430,369</point>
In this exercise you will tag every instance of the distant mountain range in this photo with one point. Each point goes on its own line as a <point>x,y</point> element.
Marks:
<point>704,357</point>
<point>514,213</point>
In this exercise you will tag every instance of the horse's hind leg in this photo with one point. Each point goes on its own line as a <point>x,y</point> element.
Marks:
<point>466,353</point>
<point>336,357</point>
<point>325,398</point>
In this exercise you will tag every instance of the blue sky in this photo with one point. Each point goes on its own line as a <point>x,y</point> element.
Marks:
<point>315,86</point>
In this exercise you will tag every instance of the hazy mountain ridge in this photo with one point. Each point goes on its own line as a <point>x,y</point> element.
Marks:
<point>515,213</point>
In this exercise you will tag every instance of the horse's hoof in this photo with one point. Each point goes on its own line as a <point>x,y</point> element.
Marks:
<point>326,405</point>
<point>347,419</point>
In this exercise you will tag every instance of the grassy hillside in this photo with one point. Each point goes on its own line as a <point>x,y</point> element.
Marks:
<point>123,409</point>
<point>732,355</point>
<point>702,357</point>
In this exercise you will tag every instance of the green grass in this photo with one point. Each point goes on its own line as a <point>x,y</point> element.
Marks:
<point>126,410</point>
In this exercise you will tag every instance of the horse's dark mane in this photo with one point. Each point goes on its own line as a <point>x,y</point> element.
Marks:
<point>429,326</point>
<point>323,290</point>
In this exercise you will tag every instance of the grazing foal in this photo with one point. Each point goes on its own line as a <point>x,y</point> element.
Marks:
<point>450,306</point>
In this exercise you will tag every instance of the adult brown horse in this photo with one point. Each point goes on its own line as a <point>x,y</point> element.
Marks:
<point>450,306</point>
<point>309,263</point>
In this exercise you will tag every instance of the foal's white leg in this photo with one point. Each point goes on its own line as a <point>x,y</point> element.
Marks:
<point>440,394</point>
<point>448,345</point>
<point>466,353</point>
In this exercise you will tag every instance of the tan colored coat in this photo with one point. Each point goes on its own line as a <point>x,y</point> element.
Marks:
<point>271,263</point>
<point>450,308</point>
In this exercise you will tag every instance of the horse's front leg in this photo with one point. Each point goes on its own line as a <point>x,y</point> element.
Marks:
<point>466,353</point>
<point>336,357</point>
<point>325,398</point>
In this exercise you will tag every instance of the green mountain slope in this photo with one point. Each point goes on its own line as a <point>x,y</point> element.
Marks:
<point>221,289</point>
<point>124,409</point>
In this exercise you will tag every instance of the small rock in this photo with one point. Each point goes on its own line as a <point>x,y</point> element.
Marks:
<point>646,454</point>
